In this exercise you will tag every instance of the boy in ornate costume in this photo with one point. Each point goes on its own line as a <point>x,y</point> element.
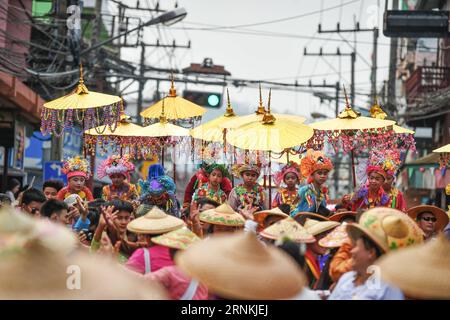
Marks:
<point>77,171</point>
<point>290,175</point>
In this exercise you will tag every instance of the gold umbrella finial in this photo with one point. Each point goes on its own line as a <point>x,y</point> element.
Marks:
<point>261,109</point>
<point>229,112</point>
<point>81,88</point>
<point>162,118</point>
<point>376,111</point>
<point>268,117</point>
<point>172,90</point>
<point>348,112</point>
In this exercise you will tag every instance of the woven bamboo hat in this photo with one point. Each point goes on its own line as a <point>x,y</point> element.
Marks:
<point>302,216</point>
<point>222,215</point>
<point>38,262</point>
<point>179,239</point>
<point>388,228</point>
<point>260,216</point>
<point>336,238</point>
<point>238,266</point>
<point>428,269</point>
<point>315,227</point>
<point>155,221</point>
<point>288,228</point>
<point>342,215</point>
<point>441,215</point>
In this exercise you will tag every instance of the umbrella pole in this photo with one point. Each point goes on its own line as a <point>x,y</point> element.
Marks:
<point>174,166</point>
<point>270,181</point>
<point>162,156</point>
<point>353,169</point>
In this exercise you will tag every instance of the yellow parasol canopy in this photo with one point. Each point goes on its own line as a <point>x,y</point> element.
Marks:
<point>443,149</point>
<point>211,130</point>
<point>401,130</point>
<point>124,128</point>
<point>176,108</point>
<point>283,158</point>
<point>272,133</point>
<point>85,104</point>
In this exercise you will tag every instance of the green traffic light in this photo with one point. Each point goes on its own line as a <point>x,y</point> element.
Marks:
<point>213,100</point>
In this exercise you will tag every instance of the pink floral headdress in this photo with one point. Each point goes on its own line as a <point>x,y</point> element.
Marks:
<point>115,164</point>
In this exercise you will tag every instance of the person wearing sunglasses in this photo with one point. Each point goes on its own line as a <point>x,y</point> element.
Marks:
<point>432,220</point>
<point>32,200</point>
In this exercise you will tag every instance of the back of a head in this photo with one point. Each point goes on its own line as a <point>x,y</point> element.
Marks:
<point>13,183</point>
<point>33,194</point>
<point>53,206</point>
<point>295,250</point>
<point>56,184</point>
<point>285,208</point>
<point>121,205</point>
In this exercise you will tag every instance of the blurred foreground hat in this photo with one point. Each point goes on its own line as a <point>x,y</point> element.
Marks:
<point>155,221</point>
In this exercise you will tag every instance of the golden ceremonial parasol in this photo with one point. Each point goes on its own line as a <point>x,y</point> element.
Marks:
<point>177,108</point>
<point>88,108</point>
<point>350,130</point>
<point>271,134</point>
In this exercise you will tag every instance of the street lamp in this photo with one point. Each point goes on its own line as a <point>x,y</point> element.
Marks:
<point>168,18</point>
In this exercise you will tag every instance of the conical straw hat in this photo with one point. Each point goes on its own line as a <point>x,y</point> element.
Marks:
<point>238,266</point>
<point>315,227</point>
<point>336,238</point>
<point>288,228</point>
<point>427,273</point>
<point>222,215</point>
<point>388,228</point>
<point>260,216</point>
<point>342,215</point>
<point>155,221</point>
<point>179,239</point>
<point>441,215</point>
<point>302,216</point>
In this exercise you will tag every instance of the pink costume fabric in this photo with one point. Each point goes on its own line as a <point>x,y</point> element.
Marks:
<point>159,257</point>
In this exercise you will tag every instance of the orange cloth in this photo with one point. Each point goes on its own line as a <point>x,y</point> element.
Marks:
<point>341,262</point>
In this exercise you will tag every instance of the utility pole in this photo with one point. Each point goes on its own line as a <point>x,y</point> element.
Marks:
<point>391,105</point>
<point>142,82</point>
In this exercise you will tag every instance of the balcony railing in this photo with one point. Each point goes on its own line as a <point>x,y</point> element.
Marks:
<point>425,80</point>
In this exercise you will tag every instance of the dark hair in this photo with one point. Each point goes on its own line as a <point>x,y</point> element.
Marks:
<point>204,200</point>
<point>53,206</point>
<point>369,244</point>
<point>94,210</point>
<point>294,250</point>
<point>285,208</point>
<point>33,194</point>
<point>56,184</point>
<point>323,211</point>
<point>13,183</point>
<point>339,206</point>
<point>121,205</point>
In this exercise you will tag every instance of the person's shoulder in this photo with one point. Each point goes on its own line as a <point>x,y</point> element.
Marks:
<point>304,189</point>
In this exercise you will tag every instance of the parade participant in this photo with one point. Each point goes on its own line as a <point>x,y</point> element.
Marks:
<point>51,188</point>
<point>238,266</point>
<point>56,211</point>
<point>248,195</point>
<point>178,285</point>
<point>287,228</point>
<point>211,189</point>
<point>197,226</point>
<point>151,257</point>
<point>432,220</point>
<point>13,189</point>
<point>378,231</point>
<point>111,231</point>
<point>290,175</point>
<point>221,219</point>
<point>371,194</point>
<point>315,252</point>
<point>428,275</point>
<point>31,202</point>
<point>313,196</point>
<point>390,165</point>
<point>159,190</point>
<point>118,169</point>
<point>266,218</point>
<point>77,171</point>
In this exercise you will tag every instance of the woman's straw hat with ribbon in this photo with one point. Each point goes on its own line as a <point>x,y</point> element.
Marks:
<point>388,228</point>
<point>336,238</point>
<point>223,215</point>
<point>441,215</point>
<point>427,273</point>
<point>288,228</point>
<point>155,221</point>
<point>261,216</point>
<point>38,262</point>
<point>315,227</point>
<point>238,266</point>
<point>179,239</point>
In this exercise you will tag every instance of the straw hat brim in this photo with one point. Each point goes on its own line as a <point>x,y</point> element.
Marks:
<point>261,216</point>
<point>288,228</point>
<point>179,239</point>
<point>222,219</point>
<point>355,231</point>
<point>441,215</point>
<point>342,215</point>
<point>232,273</point>
<point>302,216</point>
<point>144,225</point>
<point>322,226</point>
<point>428,272</point>
<point>335,238</point>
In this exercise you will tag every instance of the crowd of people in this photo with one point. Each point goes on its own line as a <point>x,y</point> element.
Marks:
<point>230,241</point>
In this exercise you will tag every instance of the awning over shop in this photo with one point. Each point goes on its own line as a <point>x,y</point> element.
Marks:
<point>429,161</point>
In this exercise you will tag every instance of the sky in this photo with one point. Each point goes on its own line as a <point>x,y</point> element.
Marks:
<point>251,48</point>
